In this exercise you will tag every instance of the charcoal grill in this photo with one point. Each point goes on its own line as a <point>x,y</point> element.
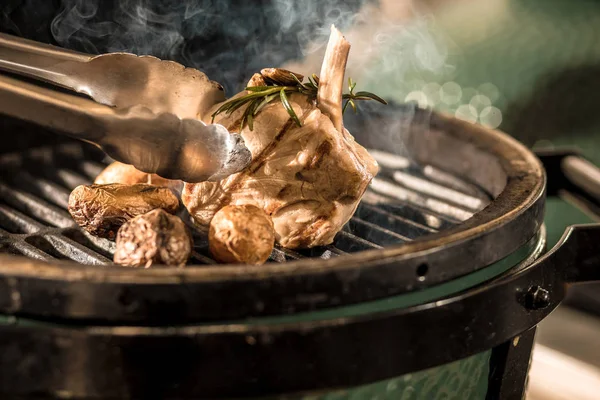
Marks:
<point>442,268</point>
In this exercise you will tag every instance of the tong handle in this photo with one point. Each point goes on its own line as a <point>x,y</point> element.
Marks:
<point>583,174</point>
<point>76,116</point>
<point>36,60</point>
<point>572,175</point>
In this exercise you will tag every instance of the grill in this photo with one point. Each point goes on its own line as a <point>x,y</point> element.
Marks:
<point>442,269</point>
<point>415,217</point>
<point>405,202</point>
<point>433,290</point>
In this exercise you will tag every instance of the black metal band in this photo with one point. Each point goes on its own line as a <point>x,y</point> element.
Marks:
<point>256,360</point>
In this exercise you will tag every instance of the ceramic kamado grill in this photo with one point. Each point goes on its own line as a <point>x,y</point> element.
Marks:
<point>432,290</point>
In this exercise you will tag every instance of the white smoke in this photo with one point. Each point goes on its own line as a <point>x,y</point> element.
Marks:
<point>228,40</point>
<point>389,39</point>
<point>131,26</point>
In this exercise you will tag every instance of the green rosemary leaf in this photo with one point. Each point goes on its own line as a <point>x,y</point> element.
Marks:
<point>243,120</point>
<point>228,106</point>
<point>265,101</point>
<point>265,90</point>
<point>257,88</point>
<point>223,108</point>
<point>353,105</point>
<point>259,96</point>
<point>235,106</point>
<point>298,81</point>
<point>371,96</point>
<point>252,112</point>
<point>351,85</point>
<point>288,107</point>
<point>250,122</point>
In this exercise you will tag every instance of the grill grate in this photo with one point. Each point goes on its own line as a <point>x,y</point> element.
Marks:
<point>404,202</point>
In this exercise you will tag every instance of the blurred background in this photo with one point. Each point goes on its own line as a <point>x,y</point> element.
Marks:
<point>530,68</point>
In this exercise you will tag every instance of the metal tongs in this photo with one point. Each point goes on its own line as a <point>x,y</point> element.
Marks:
<point>145,109</point>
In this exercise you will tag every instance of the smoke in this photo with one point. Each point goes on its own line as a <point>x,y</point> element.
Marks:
<point>228,40</point>
<point>231,39</point>
<point>390,40</point>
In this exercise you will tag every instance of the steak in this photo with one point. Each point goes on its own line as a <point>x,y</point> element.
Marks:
<point>308,178</point>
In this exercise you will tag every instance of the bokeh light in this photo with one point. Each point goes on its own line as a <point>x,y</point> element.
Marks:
<point>419,97</point>
<point>450,93</point>
<point>490,117</point>
<point>480,102</point>
<point>466,112</point>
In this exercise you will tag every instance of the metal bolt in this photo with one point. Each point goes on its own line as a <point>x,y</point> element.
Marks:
<point>537,298</point>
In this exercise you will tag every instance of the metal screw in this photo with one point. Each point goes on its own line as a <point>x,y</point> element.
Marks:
<point>537,298</point>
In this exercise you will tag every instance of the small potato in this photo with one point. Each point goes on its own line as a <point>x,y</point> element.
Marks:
<point>256,80</point>
<point>241,235</point>
<point>102,209</point>
<point>127,174</point>
<point>153,238</point>
<point>281,76</point>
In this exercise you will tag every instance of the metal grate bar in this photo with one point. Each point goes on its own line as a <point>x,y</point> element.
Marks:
<point>43,188</point>
<point>334,250</point>
<point>285,254</point>
<point>404,226</point>
<point>352,243</point>
<point>91,169</point>
<point>101,246</point>
<point>451,181</point>
<point>324,252</point>
<point>29,250</point>
<point>200,252</point>
<point>36,207</point>
<point>374,233</point>
<point>201,258</point>
<point>75,251</point>
<point>404,202</point>
<point>438,191</point>
<point>395,191</point>
<point>8,248</point>
<point>71,179</point>
<point>62,176</point>
<point>408,211</point>
<point>392,163</point>
<point>18,223</point>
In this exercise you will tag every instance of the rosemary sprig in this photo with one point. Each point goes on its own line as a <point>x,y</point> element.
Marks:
<point>260,96</point>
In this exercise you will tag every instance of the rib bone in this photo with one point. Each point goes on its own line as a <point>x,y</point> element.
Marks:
<point>329,98</point>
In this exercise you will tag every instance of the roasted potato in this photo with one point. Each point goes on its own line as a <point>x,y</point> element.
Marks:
<point>156,237</point>
<point>102,209</point>
<point>241,235</point>
<point>127,174</point>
